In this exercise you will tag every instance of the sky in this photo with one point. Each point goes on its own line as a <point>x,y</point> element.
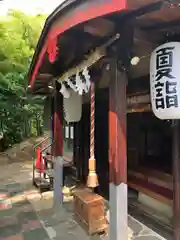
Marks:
<point>29,6</point>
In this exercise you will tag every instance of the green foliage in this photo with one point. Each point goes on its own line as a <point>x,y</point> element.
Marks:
<point>20,115</point>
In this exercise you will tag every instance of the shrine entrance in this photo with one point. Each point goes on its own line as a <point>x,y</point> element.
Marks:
<point>107,69</point>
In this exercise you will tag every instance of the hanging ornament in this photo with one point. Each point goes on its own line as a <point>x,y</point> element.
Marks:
<point>1,135</point>
<point>72,107</point>
<point>92,180</point>
<point>71,85</point>
<point>79,84</point>
<point>87,77</point>
<point>64,91</point>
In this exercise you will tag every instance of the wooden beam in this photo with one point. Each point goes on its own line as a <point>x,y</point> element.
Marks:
<point>147,37</point>
<point>144,108</point>
<point>91,59</point>
<point>100,27</point>
<point>44,76</point>
<point>162,25</point>
<point>42,89</point>
<point>141,7</point>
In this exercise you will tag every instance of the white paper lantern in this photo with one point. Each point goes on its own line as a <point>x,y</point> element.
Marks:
<point>165,81</point>
<point>72,107</point>
<point>64,91</point>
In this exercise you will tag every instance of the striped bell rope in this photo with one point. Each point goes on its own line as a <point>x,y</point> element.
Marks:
<point>92,123</point>
<point>92,181</point>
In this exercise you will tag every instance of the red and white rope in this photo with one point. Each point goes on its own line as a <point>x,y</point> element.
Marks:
<point>92,120</point>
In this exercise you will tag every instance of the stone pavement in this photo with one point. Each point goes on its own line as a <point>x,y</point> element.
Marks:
<point>25,214</point>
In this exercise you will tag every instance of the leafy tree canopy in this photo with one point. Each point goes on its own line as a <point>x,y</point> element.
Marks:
<point>20,116</point>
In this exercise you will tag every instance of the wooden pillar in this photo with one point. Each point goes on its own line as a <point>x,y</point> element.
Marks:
<point>118,155</point>
<point>76,148</point>
<point>176,178</point>
<point>58,149</point>
<point>52,118</point>
<point>47,120</point>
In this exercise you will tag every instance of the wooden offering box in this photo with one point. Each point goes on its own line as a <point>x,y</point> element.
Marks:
<point>89,211</point>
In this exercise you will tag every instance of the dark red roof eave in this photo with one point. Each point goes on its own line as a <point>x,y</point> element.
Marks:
<point>92,9</point>
<point>49,21</point>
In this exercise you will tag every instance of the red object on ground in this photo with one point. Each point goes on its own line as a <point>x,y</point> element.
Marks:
<point>39,160</point>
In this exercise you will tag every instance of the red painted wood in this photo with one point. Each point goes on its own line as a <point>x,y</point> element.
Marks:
<point>39,161</point>
<point>117,128</point>
<point>87,10</point>
<point>58,126</point>
<point>152,187</point>
<point>52,49</point>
